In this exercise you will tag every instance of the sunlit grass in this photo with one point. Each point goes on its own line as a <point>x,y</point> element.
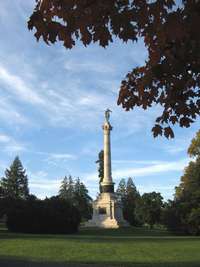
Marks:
<point>122,247</point>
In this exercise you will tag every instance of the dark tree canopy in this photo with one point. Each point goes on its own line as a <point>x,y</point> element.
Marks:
<point>170,76</point>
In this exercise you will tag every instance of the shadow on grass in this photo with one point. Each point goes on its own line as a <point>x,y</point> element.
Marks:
<point>14,262</point>
<point>93,238</point>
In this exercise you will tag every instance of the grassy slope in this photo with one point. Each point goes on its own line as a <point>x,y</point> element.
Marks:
<point>124,247</point>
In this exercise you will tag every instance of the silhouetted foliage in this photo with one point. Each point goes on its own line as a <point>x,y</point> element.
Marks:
<point>75,192</point>
<point>15,182</point>
<point>100,162</point>
<point>54,215</point>
<point>170,76</point>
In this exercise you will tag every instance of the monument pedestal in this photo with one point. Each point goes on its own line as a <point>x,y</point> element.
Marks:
<point>107,212</point>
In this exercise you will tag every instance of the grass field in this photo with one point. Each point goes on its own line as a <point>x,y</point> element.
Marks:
<point>123,247</point>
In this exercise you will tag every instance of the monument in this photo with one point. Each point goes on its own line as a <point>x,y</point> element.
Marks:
<point>107,208</point>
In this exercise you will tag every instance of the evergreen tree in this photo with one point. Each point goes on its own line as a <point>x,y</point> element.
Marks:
<point>67,188</point>
<point>82,200</point>
<point>121,190</point>
<point>15,182</point>
<point>130,199</point>
<point>77,194</point>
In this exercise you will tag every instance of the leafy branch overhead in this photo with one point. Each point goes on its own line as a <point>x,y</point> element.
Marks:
<point>170,76</point>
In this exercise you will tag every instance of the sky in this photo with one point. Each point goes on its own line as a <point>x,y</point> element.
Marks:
<point>52,104</point>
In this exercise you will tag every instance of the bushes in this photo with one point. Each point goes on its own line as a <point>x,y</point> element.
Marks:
<point>54,215</point>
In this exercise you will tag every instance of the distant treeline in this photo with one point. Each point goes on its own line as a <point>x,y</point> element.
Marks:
<point>64,213</point>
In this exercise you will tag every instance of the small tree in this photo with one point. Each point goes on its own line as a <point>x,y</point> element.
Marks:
<point>15,183</point>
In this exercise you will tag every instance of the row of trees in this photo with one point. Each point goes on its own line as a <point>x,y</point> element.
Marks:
<point>58,214</point>
<point>140,209</point>
<point>181,214</point>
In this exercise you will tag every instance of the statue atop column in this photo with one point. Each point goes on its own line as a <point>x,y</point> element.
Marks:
<point>107,114</point>
<point>107,208</point>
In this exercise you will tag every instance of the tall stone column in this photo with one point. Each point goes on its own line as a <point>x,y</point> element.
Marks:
<point>107,183</point>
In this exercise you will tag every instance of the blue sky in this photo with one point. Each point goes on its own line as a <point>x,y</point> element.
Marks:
<point>52,103</point>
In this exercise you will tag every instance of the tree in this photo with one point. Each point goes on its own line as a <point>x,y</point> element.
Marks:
<point>170,76</point>
<point>130,198</point>
<point>82,200</point>
<point>100,161</point>
<point>15,183</point>
<point>67,188</point>
<point>132,201</point>
<point>121,190</point>
<point>187,194</point>
<point>151,207</point>
<point>75,192</point>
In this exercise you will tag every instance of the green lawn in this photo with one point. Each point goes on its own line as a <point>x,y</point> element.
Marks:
<point>123,247</point>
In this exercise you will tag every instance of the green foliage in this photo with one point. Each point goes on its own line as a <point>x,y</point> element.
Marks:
<point>130,199</point>
<point>75,192</point>
<point>151,207</point>
<point>194,148</point>
<point>53,215</point>
<point>186,204</point>
<point>15,182</point>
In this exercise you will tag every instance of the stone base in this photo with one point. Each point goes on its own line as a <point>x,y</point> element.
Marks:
<point>107,212</point>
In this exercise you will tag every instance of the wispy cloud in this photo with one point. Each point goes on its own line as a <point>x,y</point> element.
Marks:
<point>15,85</point>
<point>10,145</point>
<point>74,65</point>
<point>10,114</point>
<point>153,168</point>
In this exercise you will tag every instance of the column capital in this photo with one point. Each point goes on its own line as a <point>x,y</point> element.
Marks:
<point>107,127</point>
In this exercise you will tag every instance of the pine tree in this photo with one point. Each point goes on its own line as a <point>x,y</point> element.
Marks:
<point>121,190</point>
<point>15,182</point>
<point>67,188</point>
<point>76,192</point>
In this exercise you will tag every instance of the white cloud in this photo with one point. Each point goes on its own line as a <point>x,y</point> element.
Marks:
<point>9,113</point>
<point>10,145</point>
<point>4,138</point>
<point>153,168</point>
<point>16,85</point>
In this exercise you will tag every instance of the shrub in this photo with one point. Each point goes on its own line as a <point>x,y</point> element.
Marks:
<point>49,216</point>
